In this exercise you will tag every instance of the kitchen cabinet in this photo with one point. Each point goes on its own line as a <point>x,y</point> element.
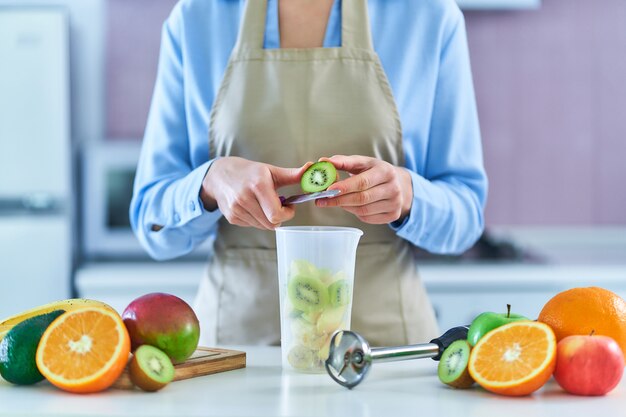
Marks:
<point>458,291</point>
<point>397,389</point>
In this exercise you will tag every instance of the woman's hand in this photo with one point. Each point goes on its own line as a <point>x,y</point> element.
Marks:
<point>245,191</point>
<point>376,192</point>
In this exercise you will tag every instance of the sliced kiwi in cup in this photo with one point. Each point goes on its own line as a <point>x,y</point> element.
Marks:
<point>339,293</point>
<point>150,369</point>
<point>307,293</point>
<point>318,177</point>
<point>452,369</point>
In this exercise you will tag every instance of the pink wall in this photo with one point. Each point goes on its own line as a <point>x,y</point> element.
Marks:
<point>551,91</point>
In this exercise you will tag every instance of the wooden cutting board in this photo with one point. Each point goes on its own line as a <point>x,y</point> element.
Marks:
<point>204,361</point>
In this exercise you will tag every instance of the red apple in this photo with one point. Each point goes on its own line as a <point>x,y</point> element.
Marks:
<point>163,321</point>
<point>588,365</point>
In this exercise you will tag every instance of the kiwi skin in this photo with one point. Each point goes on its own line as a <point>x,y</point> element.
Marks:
<point>141,378</point>
<point>464,380</point>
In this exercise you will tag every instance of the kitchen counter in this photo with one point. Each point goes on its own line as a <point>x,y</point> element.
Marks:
<point>392,389</point>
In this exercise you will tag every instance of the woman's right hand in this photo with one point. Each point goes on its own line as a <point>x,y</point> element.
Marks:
<point>245,191</point>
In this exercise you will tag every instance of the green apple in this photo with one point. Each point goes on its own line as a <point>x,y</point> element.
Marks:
<point>486,322</point>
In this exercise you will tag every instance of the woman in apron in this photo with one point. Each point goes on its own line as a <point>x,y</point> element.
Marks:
<point>276,108</point>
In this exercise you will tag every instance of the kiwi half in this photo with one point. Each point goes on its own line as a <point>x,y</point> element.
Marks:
<point>318,177</point>
<point>339,293</point>
<point>452,369</point>
<point>151,369</point>
<point>307,293</point>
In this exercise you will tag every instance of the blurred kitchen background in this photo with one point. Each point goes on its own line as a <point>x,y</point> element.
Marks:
<point>76,79</point>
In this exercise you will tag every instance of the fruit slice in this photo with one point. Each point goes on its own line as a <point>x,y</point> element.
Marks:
<point>302,267</point>
<point>150,369</point>
<point>515,359</point>
<point>318,177</point>
<point>305,333</point>
<point>301,358</point>
<point>452,369</point>
<point>331,319</point>
<point>339,293</point>
<point>65,305</point>
<point>19,348</point>
<point>307,293</point>
<point>84,350</point>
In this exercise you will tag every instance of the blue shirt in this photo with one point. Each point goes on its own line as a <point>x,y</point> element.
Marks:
<point>423,49</point>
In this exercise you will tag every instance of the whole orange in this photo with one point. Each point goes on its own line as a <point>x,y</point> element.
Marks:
<point>583,311</point>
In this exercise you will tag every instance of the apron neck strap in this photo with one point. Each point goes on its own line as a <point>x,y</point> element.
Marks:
<point>355,25</point>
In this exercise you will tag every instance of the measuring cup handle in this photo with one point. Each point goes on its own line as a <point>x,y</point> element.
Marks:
<point>446,339</point>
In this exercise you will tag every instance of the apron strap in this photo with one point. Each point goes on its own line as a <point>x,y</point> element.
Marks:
<point>252,27</point>
<point>355,26</point>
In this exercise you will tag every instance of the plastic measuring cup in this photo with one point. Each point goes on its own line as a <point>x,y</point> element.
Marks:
<point>316,276</point>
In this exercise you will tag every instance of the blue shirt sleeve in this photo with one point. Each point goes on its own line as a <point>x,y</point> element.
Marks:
<point>449,195</point>
<point>166,212</point>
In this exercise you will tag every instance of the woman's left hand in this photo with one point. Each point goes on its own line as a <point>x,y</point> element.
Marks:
<point>376,191</point>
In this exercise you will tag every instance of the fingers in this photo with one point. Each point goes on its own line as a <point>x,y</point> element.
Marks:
<point>353,164</point>
<point>287,176</point>
<point>384,218</point>
<point>259,217</point>
<point>269,203</point>
<point>271,207</point>
<point>379,207</point>
<point>377,193</point>
<point>242,217</point>
<point>365,180</point>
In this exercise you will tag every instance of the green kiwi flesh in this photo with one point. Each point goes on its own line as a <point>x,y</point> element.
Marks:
<point>339,293</point>
<point>318,177</point>
<point>452,369</point>
<point>307,294</point>
<point>151,369</point>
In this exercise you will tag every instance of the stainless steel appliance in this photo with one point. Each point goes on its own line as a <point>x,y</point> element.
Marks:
<point>36,203</point>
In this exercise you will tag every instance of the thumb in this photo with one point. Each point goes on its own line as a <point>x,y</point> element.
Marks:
<point>287,176</point>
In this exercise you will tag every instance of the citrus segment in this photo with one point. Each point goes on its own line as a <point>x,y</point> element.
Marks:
<point>580,311</point>
<point>84,350</point>
<point>515,359</point>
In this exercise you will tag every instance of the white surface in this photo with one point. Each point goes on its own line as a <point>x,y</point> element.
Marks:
<point>34,103</point>
<point>34,262</point>
<point>398,389</point>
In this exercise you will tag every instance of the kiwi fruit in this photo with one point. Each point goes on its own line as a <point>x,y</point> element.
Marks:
<point>307,293</point>
<point>301,357</point>
<point>305,334</point>
<point>150,369</point>
<point>302,267</point>
<point>318,177</point>
<point>331,319</point>
<point>339,293</point>
<point>452,369</point>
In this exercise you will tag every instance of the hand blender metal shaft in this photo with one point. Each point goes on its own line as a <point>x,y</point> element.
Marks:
<point>350,355</point>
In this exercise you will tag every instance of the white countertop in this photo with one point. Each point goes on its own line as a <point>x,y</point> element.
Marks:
<point>397,389</point>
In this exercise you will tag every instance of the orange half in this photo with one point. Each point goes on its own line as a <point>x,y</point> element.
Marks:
<point>515,359</point>
<point>84,350</point>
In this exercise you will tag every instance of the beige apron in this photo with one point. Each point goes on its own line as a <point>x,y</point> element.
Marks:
<point>285,107</point>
